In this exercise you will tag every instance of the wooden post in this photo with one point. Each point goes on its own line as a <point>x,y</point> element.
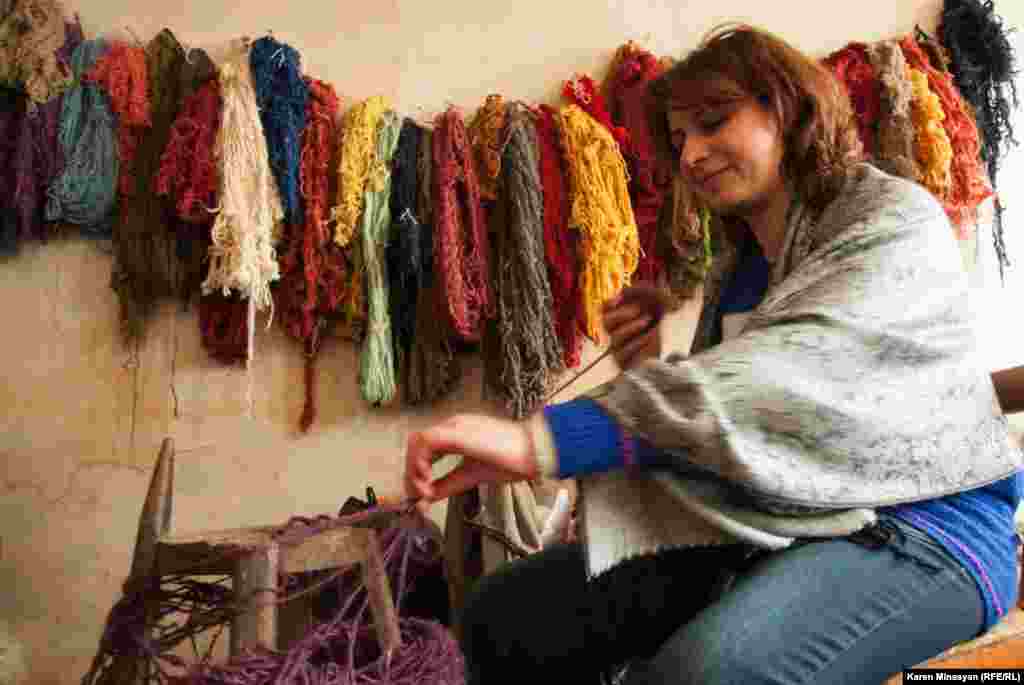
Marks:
<point>456,545</point>
<point>294,620</point>
<point>255,588</point>
<point>154,521</point>
<point>382,606</point>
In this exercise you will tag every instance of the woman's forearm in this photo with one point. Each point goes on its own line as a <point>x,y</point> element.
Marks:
<point>1010,388</point>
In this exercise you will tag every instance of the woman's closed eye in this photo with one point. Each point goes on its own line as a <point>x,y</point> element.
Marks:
<point>711,121</point>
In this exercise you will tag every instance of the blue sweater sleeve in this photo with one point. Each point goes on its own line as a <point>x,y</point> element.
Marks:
<point>587,440</point>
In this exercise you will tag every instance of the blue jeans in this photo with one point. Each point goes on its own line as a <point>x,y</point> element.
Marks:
<point>828,611</point>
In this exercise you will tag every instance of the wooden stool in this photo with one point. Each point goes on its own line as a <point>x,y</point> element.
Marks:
<point>254,570</point>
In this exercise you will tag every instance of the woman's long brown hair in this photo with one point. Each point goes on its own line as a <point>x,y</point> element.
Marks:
<point>812,109</point>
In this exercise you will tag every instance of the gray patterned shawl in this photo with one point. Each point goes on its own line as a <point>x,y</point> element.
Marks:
<point>856,383</point>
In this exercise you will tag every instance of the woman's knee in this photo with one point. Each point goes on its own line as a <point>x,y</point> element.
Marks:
<point>500,608</point>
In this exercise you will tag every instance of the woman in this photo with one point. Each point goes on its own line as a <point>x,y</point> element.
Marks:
<point>832,395</point>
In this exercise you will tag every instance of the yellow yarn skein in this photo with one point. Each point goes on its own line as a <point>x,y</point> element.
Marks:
<point>601,211</point>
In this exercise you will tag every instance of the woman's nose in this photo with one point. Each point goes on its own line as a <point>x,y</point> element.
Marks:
<point>694,151</point>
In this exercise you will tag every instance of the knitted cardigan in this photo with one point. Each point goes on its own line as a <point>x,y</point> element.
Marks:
<point>855,384</point>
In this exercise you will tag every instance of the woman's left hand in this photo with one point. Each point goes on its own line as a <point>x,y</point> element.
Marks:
<point>493,451</point>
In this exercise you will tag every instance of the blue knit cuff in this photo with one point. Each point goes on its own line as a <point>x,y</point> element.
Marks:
<point>588,440</point>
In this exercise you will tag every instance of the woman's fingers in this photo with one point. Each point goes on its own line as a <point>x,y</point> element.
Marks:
<point>463,477</point>
<point>623,314</point>
<point>638,348</point>
<point>630,329</point>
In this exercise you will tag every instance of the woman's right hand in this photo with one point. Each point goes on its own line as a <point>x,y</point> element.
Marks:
<point>632,321</point>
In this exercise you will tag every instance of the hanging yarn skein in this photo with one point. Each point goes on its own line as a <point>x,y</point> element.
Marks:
<point>529,355</point>
<point>561,243</point>
<point>281,95</point>
<point>969,187</point>
<point>404,251</point>
<point>185,71</point>
<point>122,74</point>
<point>33,158</point>
<point>600,210</point>
<point>188,169</point>
<point>584,93</point>
<point>188,175</point>
<point>359,135</point>
<point>139,276</point>
<point>312,265</point>
<point>485,134</point>
<point>854,70</point>
<point>376,361</point>
<point>649,177</point>
<point>895,149</point>
<point>933,149</point>
<point>242,257</point>
<point>433,370</point>
<point>984,68</point>
<point>460,235</point>
<point>10,106</point>
<point>31,35</point>
<point>358,138</point>
<point>85,192</point>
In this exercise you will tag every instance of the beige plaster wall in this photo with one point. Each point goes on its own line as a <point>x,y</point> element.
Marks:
<point>81,418</point>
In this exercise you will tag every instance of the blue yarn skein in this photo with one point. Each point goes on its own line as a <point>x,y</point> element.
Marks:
<point>85,192</point>
<point>281,95</point>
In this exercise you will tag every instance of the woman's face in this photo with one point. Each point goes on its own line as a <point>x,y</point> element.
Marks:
<point>730,153</point>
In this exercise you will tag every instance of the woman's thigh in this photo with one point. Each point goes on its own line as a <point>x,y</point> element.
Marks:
<point>539,614</point>
<point>831,612</point>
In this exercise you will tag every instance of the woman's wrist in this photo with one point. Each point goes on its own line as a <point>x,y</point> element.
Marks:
<point>542,445</point>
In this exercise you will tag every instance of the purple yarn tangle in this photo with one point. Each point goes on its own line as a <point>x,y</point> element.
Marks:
<point>341,650</point>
